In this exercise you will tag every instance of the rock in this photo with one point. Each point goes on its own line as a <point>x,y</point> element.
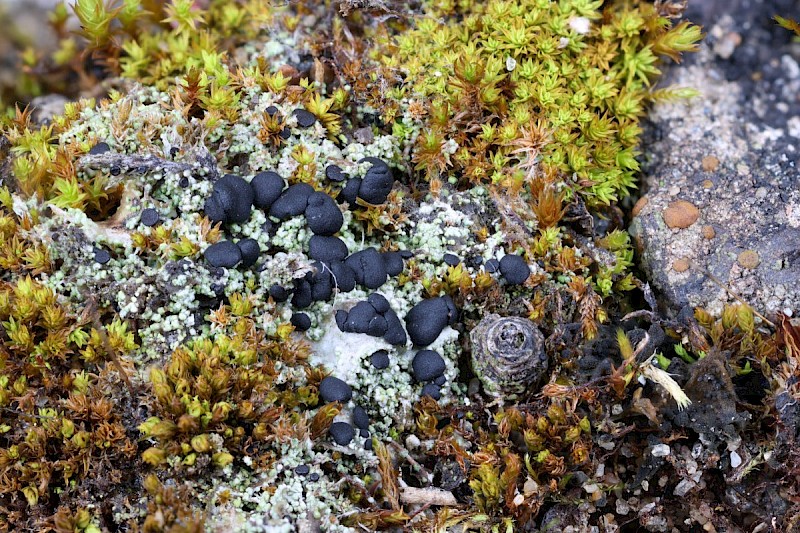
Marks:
<point>368,267</point>
<point>349,192</point>
<point>149,217</point>
<point>393,262</point>
<point>292,202</point>
<point>380,359</point>
<point>332,389</point>
<point>426,320</point>
<point>433,390</point>
<point>250,251</point>
<point>427,365</point>
<point>323,215</point>
<point>304,118</point>
<point>334,173</point>
<point>327,249</point>
<point>360,417</point>
<point>514,269</point>
<point>377,182</point>
<point>267,187</point>
<point>728,158</point>
<point>223,254</point>
<point>342,433</point>
<point>508,355</point>
<point>301,321</point>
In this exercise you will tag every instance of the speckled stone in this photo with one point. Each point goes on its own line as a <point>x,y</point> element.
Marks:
<point>514,269</point>
<point>250,251</point>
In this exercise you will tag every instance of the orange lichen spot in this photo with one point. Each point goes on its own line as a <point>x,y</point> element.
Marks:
<point>681,214</point>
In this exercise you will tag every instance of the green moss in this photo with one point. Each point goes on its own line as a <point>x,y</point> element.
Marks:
<point>527,88</point>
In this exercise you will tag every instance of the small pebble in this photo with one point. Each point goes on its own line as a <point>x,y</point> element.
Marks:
<point>377,327</point>
<point>364,433</point>
<point>342,433</point>
<point>99,148</point>
<point>301,321</point>
<point>115,170</point>
<point>426,320</point>
<point>323,215</point>
<point>360,417</point>
<point>406,254</point>
<point>492,266</point>
<point>393,262</point>
<point>302,470</point>
<point>368,267</point>
<point>271,110</point>
<point>475,261</point>
<point>333,389</point>
<point>395,334</point>
<point>292,202</point>
<point>451,260</point>
<point>341,318</point>
<point>183,182</point>
<point>267,187</point>
<point>441,380</point>
<point>314,477</point>
<point>285,133</point>
<point>380,359</point>
<point>432,390</point>
<point>334,173</point>
<point>378,302</point>
<point>514,269</point>
<point>327,249</point>
<point>235,196</point>
<point>278,293</point>
<point>368,444</point>
<point>377,182</point>
<point>223,254</point>
<point>149,217</point>
<point>250,251</point>
<point>101,256</point>
<point>302,298</point>
<point>349,192</point>
<point>321,284</point>
<point>359,317</point>
<point>344,278</point>
<point>304,118</point>
<point>427,365</point>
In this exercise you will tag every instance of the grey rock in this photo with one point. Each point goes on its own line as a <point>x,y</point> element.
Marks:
<point>733,153</point>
